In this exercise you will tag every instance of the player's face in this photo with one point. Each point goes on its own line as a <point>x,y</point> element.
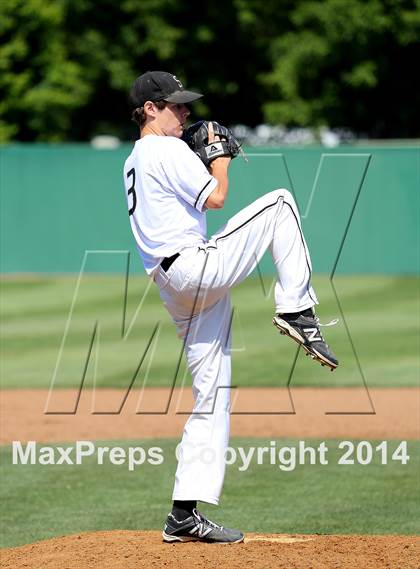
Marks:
<point>172,119</point>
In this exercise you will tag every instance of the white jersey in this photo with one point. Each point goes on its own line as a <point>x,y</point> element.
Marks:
<point>166,185</point>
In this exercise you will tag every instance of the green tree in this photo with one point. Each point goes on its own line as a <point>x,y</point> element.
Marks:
<point>348,63</point>
<point>66,65</point>
<point>41,85</point>
<point>208,51</point>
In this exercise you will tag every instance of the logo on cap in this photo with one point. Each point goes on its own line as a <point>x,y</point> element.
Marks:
<point>178,81</point>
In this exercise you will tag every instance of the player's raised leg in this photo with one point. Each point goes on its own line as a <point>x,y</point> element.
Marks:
<point>271,222</point>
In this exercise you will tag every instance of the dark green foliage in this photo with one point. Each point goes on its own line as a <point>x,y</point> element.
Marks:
<point>348,63</point>
<point>66,65</point>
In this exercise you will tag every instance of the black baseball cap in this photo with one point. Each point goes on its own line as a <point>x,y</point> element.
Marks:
<point>160,86</point>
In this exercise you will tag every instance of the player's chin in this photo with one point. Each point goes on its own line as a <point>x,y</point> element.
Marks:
<point>177,132</point>
<point>180,130</point>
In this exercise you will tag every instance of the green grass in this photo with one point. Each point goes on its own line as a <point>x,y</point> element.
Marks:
<point>39,502</point>
<point>381,313</point>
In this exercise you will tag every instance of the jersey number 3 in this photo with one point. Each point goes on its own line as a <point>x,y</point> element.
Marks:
<point>131,190</point>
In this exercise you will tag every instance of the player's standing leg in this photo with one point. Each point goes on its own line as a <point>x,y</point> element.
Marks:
<point>201,454</point>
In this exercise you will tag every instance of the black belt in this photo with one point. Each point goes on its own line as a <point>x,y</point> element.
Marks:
<point>167,261</point>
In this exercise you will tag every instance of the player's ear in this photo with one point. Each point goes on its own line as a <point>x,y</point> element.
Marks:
<point>150,109</point>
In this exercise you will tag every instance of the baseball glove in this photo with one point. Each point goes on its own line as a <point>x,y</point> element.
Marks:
<point>197,138</point>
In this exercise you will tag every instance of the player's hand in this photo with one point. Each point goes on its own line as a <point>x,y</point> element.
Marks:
<point>212,137</point>
<point>225,160</point>
<point>211,142</point>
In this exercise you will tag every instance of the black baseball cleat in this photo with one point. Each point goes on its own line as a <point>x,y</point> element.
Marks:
<point>305,331</point>
<point>199,528</point>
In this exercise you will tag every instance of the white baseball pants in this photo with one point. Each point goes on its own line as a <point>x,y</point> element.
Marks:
<point>195,290</point>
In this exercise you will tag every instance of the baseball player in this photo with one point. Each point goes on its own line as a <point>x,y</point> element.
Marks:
<point>172,177</point>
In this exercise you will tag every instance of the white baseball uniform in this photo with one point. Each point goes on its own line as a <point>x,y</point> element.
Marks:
<point>167,186</point>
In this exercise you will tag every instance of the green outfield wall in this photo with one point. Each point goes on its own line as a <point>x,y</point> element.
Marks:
<point>359,205</point>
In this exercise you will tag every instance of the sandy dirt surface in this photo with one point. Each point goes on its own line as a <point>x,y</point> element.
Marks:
<point>300,413</point>
<point>135,550</point>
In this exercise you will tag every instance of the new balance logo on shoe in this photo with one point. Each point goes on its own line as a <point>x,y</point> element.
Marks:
<point>201,530</point>
<point>198,528</point>
<point>304,329</point>
<point>312,334</point>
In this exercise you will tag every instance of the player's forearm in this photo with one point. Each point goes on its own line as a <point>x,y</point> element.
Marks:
<point>219,170</point>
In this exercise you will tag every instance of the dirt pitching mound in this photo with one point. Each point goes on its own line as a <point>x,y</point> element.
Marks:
<point>135,549</point>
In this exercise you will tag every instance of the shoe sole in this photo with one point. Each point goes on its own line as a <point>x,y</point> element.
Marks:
<point>184,539</point>
<point>288,330</point>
